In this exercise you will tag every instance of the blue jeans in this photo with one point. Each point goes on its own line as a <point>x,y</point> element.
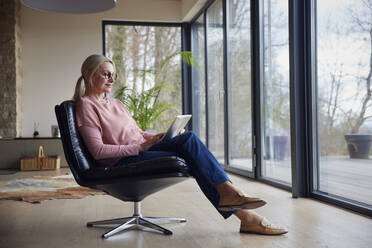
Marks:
<point>203,165</point>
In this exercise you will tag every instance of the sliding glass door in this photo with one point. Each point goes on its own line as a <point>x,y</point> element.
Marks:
<point>215,81</point>
<point>239,84</point>
<point>223,90</point>
<point>198,80</point>
<point>343,79</point>
<point>243,87</point>
<point>275,112</point>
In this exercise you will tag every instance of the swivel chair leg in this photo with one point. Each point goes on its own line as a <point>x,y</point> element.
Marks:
<point>147,223</point>
<point>163,219</point>
<point>120,228</point>
<point>109,222</point>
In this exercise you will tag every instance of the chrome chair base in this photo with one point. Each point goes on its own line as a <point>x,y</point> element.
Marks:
<point>134,221</point>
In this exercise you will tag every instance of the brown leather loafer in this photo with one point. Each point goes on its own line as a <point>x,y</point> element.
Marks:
<point>264,228</point>
<point>239,201</point>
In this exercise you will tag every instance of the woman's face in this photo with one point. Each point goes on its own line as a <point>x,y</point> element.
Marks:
<point>103,79</point>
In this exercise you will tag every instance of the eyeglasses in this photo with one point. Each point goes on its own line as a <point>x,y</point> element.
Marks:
<point>109,75</point>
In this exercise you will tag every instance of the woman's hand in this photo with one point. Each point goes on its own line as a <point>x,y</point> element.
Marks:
<point>159,136</point>
<point>148,143</point>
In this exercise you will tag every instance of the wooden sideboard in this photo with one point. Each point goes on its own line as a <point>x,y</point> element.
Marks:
<point>11,150</point>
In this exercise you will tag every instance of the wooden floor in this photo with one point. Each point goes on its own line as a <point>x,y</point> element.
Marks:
<point>62,223</point>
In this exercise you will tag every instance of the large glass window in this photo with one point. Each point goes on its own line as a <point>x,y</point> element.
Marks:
<point>215,91</point>
<point>275,89</point>
<point>198,79</point>
<point>147,57</point>
<point>344,99</point>
<point>240,108</point>
<point>340,53</point>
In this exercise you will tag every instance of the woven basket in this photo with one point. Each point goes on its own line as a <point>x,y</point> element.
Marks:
<point>40,162</point>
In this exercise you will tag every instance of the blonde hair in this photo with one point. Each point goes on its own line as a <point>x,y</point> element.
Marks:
<point>88,68</point>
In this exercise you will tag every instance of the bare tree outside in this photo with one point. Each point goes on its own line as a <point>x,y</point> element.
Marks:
<point>344,75</point>
<point>344,99</point>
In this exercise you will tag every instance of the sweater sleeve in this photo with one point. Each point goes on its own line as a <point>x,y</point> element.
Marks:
<point>93,140</point>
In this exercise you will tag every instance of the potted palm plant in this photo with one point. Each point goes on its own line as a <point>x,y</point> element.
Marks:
<point>145,106</point>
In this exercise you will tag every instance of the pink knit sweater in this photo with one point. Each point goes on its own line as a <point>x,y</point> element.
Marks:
<point>108,129</point>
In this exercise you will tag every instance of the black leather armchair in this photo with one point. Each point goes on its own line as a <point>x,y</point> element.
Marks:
<point>128,183</point>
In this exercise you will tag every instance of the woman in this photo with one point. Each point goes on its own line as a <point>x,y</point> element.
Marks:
<point>113,138</point>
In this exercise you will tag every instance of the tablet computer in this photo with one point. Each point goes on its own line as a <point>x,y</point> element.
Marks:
<point>176,127</point>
